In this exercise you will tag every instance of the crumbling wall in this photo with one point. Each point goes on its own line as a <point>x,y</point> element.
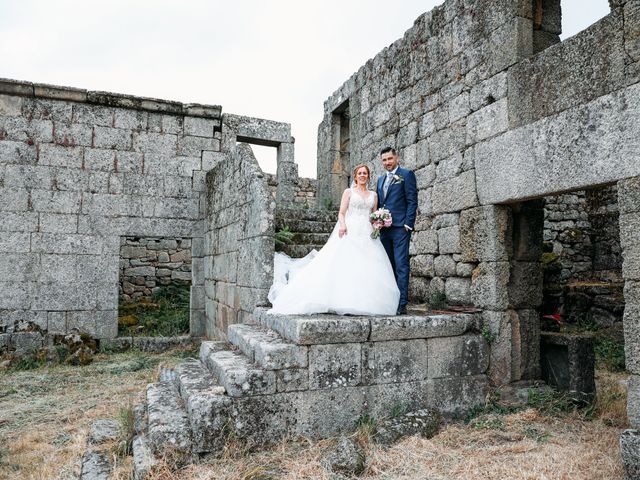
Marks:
<point>491,114</point>
<point>304,190</point>
<point>239,239</point>
<point>79,170</point>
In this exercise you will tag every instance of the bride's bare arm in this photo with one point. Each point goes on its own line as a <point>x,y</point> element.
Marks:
<point>344,204</point>
<point>375,202</point>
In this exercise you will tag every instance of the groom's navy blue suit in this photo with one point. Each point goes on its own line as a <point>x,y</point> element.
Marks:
<point>402,201</point>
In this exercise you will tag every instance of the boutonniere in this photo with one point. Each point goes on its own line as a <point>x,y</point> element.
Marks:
<point>398,179</point>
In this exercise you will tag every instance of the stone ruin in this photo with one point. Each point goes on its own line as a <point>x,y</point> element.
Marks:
<point>495,115</point>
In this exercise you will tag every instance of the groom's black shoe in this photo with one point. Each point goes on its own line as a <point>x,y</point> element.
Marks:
<point>402,310</point>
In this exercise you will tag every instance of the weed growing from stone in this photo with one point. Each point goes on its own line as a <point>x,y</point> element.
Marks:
<point>487,335</point>
<point>283,237</point>
<point>366,424</point>
<point>437,301</point>
<point>127,430</point>
<point>398,409</point>
<point>609,353</point>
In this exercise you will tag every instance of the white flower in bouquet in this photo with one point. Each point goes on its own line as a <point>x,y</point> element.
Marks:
<point>379,219</point>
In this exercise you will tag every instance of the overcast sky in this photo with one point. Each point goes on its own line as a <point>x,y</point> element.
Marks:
<point>276,59</point>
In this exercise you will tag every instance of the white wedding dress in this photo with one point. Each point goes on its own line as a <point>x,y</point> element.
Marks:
<point>349,275</point>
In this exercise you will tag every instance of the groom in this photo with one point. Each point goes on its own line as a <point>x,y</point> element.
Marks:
<point>397,192</point>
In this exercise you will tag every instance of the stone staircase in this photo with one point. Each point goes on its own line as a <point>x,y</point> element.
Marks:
<point>310,227</point>
<point>312,375</point>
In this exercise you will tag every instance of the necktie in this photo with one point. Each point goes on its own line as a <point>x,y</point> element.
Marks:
<point>387,182</point>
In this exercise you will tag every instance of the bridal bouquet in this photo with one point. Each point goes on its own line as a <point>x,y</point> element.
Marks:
<point>379,219</point>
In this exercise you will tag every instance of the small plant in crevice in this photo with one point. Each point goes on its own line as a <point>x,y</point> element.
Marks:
<point>366,425</point>
<point>283,237</point>
<point>398,409</point>
<point>488,335</point>
<point>437,301</point>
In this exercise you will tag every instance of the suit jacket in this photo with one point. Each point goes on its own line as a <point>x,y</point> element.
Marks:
<point>401,199</point>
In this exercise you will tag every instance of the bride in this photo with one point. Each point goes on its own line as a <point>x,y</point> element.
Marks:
<point>351,274</point>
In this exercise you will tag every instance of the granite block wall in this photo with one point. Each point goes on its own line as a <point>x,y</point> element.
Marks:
<point>148,264</point>
<point>582,261</point>
<point>239,235</point>
<point>79,171</point>
<point>491,111</point>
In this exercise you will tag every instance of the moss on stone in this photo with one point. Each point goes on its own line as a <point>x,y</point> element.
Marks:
<point>550,261</point>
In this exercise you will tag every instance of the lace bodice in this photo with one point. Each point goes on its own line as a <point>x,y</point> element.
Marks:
<point>357,216</point>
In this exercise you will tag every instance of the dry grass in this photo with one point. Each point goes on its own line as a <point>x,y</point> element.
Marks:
<point>525,445</point>
<point>45,415</point>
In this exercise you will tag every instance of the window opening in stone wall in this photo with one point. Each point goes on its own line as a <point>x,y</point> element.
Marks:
<point>154,286</point>
<point>547,24</point>
<point>267,157</point>
<point>582,277</point>
<point>343,130</point>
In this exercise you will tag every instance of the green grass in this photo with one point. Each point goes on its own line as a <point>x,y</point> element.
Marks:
<point>608,344</point>
<point>126,431</point>
<point>166,315</point>
<point>609,354</point>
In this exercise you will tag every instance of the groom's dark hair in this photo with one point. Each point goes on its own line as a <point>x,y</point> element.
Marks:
<point>387,150</point>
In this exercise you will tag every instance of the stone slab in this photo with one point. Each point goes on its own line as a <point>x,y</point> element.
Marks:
<point>316,329</point>
<point>238,376</point>
<point>335,365</point>
<point>168,421</point>
<point>143,459</point>
<point>394,361</point>
<point>544,157</point>
<point>406,327</point>
<point>457,356</point>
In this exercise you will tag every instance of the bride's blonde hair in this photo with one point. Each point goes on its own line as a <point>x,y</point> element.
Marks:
<point>355,171</point>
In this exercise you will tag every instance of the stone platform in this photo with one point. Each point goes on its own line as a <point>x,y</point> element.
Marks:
<point>315,376</point>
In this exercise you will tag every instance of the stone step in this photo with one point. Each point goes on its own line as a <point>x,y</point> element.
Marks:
<point>193,378</point>
<point>266,348</point>
<point>143,458</point>
<point>306,226</point>
<point>319,329</point>
<point>168,423</point>
<point>206,405</point>
<point>310,238</point>
<point>209,347</point>
<point>316,215</point>
<point>239,376</point>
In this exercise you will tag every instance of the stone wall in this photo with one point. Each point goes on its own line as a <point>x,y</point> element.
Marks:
<point>582,261</point>
<point>79,170</point>
<point>239,239</point>
<point>490,111</point>
<point>304,190</point>
<point>147,264</point>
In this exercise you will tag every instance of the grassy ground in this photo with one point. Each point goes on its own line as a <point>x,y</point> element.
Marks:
<point>45,415</point>
<point>165,315</point>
